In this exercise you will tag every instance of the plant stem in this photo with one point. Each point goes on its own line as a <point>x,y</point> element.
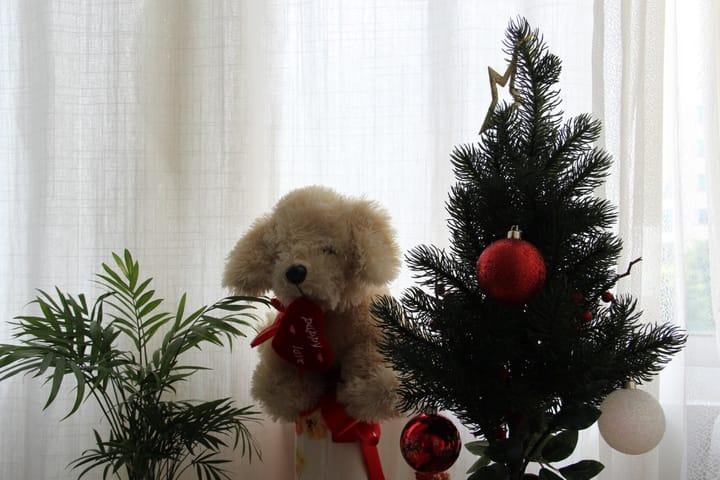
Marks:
<point>106,408</point>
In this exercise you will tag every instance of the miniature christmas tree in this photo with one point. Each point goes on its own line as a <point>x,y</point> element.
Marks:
<point>514,328</point>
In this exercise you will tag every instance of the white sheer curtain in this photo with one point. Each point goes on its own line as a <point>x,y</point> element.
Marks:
<point>691,190</point>
<point>628,96</point>
<point>166,127</point>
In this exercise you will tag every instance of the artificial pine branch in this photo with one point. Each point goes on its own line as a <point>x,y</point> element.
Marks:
<point>525,378</point>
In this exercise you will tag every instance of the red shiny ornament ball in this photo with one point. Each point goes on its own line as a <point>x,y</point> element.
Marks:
<point>511,270</point>
<point>587,316</point>
<point>430,443</point>
<point>607,297</point>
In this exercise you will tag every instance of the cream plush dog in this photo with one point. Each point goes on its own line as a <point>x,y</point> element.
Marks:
<point>338,252</point>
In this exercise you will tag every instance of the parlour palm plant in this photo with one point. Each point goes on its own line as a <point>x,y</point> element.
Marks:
<point>124,351</point>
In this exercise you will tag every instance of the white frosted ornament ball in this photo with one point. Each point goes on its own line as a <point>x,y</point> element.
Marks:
<point>632,421</point>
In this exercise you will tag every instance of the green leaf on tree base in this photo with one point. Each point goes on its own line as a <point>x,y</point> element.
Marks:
<point>479,463</point>
<point>477,447</point>
<point>582,470</point>
<point>560,446</point>
<point>496,471</point>
<point>546,474</point>
<point>505,451</point>
<point>577,417</point>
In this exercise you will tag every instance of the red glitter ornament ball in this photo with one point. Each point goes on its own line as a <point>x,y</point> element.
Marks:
<point>430,443</point>
<point>511,270</point>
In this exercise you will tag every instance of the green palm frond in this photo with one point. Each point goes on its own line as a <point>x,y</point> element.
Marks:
<point>151,436</point>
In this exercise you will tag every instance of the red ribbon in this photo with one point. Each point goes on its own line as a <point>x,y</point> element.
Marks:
<point>346,429</point>
<point>270,331</point>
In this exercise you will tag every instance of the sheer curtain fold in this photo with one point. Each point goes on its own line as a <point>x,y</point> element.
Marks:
<point>713,177</point>
<point>143,125</point>
<point>630,96</point>
<point>168,127</point>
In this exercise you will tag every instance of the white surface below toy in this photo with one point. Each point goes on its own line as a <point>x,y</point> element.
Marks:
<point>318,457</point>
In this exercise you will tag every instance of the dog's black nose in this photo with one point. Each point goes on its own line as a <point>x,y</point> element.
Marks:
<point>296,274</point>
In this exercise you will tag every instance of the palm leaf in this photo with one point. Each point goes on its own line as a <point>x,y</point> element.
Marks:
<point>149,437</point>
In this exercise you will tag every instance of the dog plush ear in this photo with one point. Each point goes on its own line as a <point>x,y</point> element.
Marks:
<point>375,251</point>
<point>249,266</point>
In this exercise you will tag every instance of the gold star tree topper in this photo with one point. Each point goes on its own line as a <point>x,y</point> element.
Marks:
<point>502,80</point>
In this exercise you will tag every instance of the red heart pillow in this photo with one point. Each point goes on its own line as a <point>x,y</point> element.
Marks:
<point>299,336</point>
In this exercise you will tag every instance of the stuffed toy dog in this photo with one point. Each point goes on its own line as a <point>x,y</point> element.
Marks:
<point>325,257</point>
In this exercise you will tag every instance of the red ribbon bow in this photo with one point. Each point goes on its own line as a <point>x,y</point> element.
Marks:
<point>346,429</point>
